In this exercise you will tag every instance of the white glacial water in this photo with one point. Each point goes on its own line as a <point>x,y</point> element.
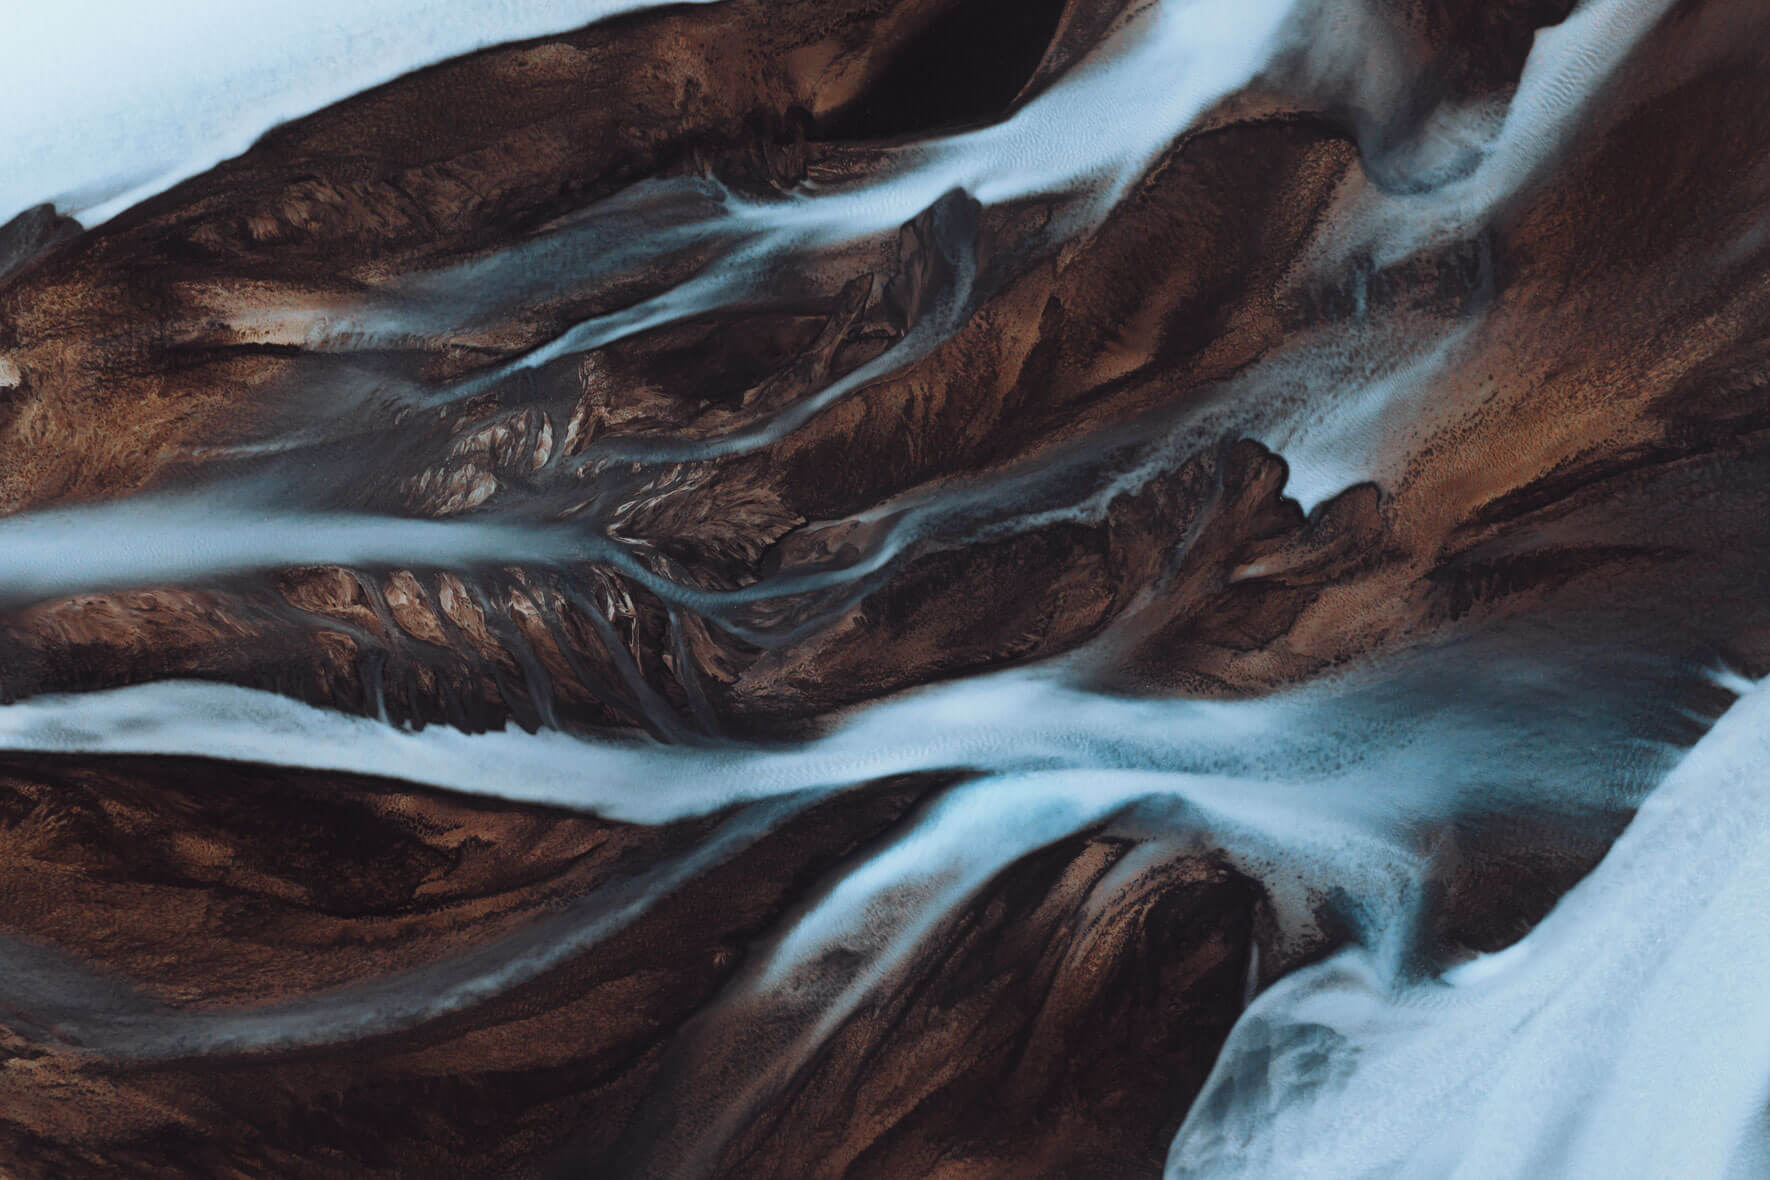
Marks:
<point>1628,1035</point>
<point>108,102</point>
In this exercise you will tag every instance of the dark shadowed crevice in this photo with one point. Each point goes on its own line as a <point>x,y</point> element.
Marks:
<point>32,233</point>
<point>966,67</point>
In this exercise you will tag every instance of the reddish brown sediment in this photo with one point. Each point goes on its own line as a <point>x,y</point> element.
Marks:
<point>1078,987</point>
<point>1590,449</point>
<point>219,887</point>
<point>1092,338</point>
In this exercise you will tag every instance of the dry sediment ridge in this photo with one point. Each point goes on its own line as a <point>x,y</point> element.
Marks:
<point>708,376</point>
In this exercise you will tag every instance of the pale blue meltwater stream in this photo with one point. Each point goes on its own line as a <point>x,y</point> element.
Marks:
<point>1627,1035</point>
